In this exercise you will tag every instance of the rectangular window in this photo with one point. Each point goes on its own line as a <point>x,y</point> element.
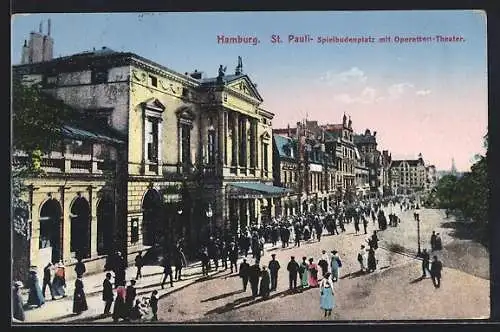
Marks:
<point>152,140</point>
<point>211,147</point>
<point>185,146</point>
<point>99,76</point>
<point>134,230</point>
<point>265,156</point>
<point>153,80</point>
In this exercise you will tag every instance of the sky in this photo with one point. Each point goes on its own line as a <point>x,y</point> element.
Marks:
<point>420,97</point>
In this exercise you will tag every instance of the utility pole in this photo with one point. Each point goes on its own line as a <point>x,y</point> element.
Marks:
<point>418,234</point>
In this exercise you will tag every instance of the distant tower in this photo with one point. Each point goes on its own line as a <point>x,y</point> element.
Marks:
<point>239,67</point>
<point>39,48</point>
<point>453,167</point>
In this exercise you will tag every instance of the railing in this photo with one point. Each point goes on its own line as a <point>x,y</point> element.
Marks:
<point>67,164</point>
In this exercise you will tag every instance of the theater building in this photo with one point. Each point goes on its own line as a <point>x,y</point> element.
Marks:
<point>196,153</point>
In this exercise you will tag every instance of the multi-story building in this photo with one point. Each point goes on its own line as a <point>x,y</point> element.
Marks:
<point>386,178</point>
<point>346,162</point>
<point>408,176</point>
<point>367,146</point>
<point>197,152</point>
<point>431,177</point>
<point>362,172</point>
<point>286,173</point>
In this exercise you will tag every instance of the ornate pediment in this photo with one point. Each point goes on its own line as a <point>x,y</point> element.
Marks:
<point>244,86</point>
<point>185,113</point>
<point>265,136</point>
<point>154,104</point>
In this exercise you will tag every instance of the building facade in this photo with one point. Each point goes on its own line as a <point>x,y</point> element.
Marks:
<point>197,158</point>
<point>367,146</point>
<point>286,173</point>
<point>408,176</point>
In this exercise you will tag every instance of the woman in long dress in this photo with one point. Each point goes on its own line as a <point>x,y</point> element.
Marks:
<point>372,262</point>
<point>327,299</point>
<point>313,273</point>
<point>59,281</point>
<point>120,308</point>
<point>335,265</point>
<point>303,273</point>
<point>79,300</point>
<point>265,282</point>
<point>17,302</point>
<point>35,295</point>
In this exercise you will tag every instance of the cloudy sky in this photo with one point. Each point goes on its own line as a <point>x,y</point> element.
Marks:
<point>427,97</point>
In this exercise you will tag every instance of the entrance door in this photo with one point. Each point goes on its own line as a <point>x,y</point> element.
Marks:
<point>80,228</point>
<point>50,229</point>
<point>105,222</point>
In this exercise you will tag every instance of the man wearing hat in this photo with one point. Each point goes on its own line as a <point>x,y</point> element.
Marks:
<point>107,293</point>
<point>233,256</point>
<point>293,269</point>
<point>274,266</point>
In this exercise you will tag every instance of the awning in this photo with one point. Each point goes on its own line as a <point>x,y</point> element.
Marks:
<point>248,190</point>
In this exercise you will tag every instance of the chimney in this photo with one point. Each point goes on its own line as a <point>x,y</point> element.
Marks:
<point>374,133</point>
<point>48,28</point>
<point>297,130</point>
<point>289,131</point>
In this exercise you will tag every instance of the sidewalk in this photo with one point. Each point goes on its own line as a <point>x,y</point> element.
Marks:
<point>61,310</point>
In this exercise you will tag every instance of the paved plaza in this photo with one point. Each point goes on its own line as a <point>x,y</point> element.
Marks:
<point>388,293</point>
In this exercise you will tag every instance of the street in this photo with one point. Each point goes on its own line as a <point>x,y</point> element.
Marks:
<point>394,291</point>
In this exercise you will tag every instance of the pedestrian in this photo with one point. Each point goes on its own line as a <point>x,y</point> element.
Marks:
<point>425,262</point>
<point>205,261</point>
<point>79,299</point>
<point>327,299</point>
<point>47,280</point>
<point>274,266</point>
<point>362,258</point>
<point>233,256</point>
<point>293,269</point>
<point>356,224</point>
<point>374,241</point>
<point>130,295</point>
<point>436,269</point>
<point>335,264</point>
<point>119,268</point>
<point>138,264</point>
<point>265,280</point>
<point>433,241</point>
<point>136,311</point>
<point>17,302</point>
<point>244,273</point>
<point>313,273</point>
<point>35,296</point>
<point>303,273</point>
<point>372,262</point>
<point>167,272</point>
<point>59,281</point>
<point>365,223</point>
<point>153,303</point>
<point>253,276</point>
<point>178,265</point>
<point>224,254</point>
<point>80,268</point>
<point>107,293</point>
<point>323,263</point>
<point>298,233</point>
<point>120,309</point>
<point>439,244</point>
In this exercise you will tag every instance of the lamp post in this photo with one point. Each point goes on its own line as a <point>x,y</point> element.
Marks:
<point>179,213</point>
<point>209,214</point>
<point>417,216</point>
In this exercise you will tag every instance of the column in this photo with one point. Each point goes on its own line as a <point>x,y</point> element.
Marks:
<point>220,140</point>
<point>273,208</point>
<point>258,210</point>
<point>36,205</point>
<point>247,207</point>
<point>66,224</point>
<point>237,211</point>
<point>144,144</point>
<point>160,145</point>
<point>247,144</point>
<point>226,124</point>
<point>93,220</point>
<point>235,142</point>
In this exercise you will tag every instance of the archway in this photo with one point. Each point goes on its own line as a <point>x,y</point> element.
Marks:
<point>50,228</point>
<point>105,223</point>
<point>151,220</point>
<point>80,228</point>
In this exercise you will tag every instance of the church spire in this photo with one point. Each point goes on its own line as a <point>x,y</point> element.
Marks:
<point>453,167</point>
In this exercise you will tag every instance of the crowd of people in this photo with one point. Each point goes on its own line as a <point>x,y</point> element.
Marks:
<point>225,252</point>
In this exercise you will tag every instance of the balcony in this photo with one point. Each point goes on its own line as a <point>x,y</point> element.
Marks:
<point>56,163</point>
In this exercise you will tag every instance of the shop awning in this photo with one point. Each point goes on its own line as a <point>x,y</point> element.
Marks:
<point>248,190</point>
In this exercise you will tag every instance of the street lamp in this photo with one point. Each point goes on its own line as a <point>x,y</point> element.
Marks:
<point>417,216</point>
<point>209,214</point>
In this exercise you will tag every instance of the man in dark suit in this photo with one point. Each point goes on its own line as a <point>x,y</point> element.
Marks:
<point>233,256</point>
<point>436,268</point>
<point>254,276</point>
<point>425,262</point>
<point>167,272</point>
<point>107,293</point>
<point>47,280</point>
<point>244,272</point>
<point>274,266</point>
<point>293,270</point>
<point>130,297</point>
